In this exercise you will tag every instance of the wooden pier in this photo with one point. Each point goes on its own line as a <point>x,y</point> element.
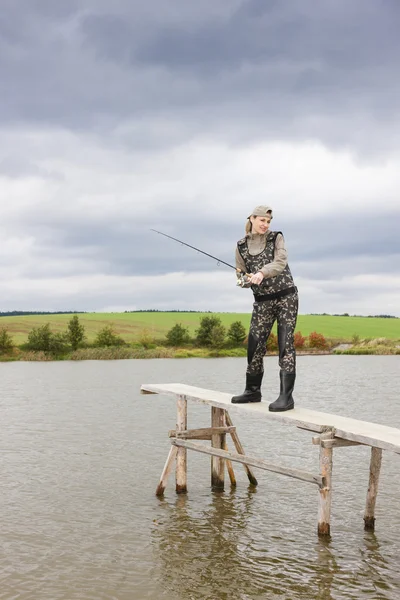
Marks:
<point>334,432</point>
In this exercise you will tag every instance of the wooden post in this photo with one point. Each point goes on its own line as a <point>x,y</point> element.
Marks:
<point>217,441</point>
<point>374,470</point>
<point>240,450</point>
<point>167,470</point>
<point>325,492</point>
<point>181,458</point>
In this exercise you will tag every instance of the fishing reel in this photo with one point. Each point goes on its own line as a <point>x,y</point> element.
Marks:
<point>243,279</point>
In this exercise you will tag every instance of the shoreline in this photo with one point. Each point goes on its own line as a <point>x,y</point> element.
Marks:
<point>126,353</point>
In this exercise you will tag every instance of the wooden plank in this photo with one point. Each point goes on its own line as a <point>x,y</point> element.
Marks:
<point>217,441</point>
<point>203,433</point>
<point>181,458</point>
<point>251,460</point>
<point>374,471</point>
<point>325,492</point>
<point>371,434</point>
<point>166,471</point>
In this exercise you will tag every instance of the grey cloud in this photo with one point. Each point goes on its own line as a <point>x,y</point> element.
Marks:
<point>255,70</point>
<point>318,248</point>
<point>333,35</point>
<point>17,167</point>
<point>146,76</point>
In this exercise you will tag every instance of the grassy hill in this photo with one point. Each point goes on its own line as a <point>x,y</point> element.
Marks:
<point>131,326</point>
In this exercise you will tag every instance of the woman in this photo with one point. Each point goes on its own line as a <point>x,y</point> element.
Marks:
<point>262,254</point>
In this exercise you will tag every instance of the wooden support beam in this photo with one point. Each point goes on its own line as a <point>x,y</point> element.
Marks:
<point>240,450</point>
<point>374,471</point>
<point>250,460</point>
<point>217,441</point>
<point>166,471</point>
<point>181,459</point>
<point>337,443</point>
<point>229,467</point>
<point>334,443</point>
<point>325,492</point>
<point>311,427</point>
<point>203,433</point>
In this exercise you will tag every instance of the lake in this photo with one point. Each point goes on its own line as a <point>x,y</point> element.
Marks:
<point>82,452</point>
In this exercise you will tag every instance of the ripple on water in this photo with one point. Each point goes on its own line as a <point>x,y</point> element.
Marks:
<point>82,453</point>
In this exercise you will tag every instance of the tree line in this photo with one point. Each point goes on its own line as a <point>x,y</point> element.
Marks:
<point>22,313</point>
<point>211,333</point>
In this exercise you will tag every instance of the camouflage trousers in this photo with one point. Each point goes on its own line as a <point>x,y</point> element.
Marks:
<point>284,311</point>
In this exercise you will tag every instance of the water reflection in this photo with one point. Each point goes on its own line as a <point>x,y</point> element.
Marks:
<point>202,550</point>
<point>374,567</point>
<point>225,550</point>
<point>326,568</point>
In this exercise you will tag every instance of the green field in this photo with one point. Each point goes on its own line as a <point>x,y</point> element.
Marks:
<point>131,326</point>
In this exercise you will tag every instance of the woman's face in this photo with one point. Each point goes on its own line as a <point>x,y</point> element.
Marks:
<point>260,224</point>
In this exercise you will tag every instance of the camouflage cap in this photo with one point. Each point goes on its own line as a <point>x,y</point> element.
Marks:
<point>261,211</point>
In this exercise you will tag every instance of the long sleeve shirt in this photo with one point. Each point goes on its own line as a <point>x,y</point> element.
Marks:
<point>256,244</point>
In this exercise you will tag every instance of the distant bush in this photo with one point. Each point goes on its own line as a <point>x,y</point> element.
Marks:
<point>178,335</point>
<point>237,333</point>
<point>75,332</point>
<point>272,343</point>
<point>299,340</point>
<point>317,340</point>
<point>107,337</point>
<point>218,334</point>
<point>42,339</point>
<point>146,339</point>
<point>204,335</point>
<point>355,339</point>
<point>6,341</point>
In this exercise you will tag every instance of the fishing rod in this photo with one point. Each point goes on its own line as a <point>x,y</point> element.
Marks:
<point>243,275</point>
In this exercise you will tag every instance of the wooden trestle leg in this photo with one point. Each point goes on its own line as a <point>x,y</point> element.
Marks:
<point>325,492</point>
<point>240,450</point>
<point>217,441</point>
<point>167,471</point>
<point>181,457</point>
<point>374,471</point>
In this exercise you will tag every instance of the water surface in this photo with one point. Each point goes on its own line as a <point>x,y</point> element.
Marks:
<point>82,452</point>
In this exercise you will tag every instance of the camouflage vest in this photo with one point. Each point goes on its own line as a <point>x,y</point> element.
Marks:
<point>269,285</point>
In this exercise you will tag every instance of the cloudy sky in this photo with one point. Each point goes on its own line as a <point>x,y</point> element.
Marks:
<point>117,117</point>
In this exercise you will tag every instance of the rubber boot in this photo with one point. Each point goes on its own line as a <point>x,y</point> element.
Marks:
<point>252,393</point>
<point>285,400</point>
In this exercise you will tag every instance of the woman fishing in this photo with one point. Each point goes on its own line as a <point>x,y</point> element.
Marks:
<point>262,254</point>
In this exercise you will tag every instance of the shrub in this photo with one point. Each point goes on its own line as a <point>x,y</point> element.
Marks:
<point>6,341</point>
<point>299,340</point>
<point>146,340</point>
<point>42,339</point>
<point>355,339</point>
<point>75,333</point>
<point>218,333</point>
<point>204,332</point>
<point>178,335</point>
<point>107,337</point>
<point>272,342</point>
<point>317,340</point>
<point>236,333</point>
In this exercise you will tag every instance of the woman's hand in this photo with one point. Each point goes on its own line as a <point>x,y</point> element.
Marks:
<point>257,278</point>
